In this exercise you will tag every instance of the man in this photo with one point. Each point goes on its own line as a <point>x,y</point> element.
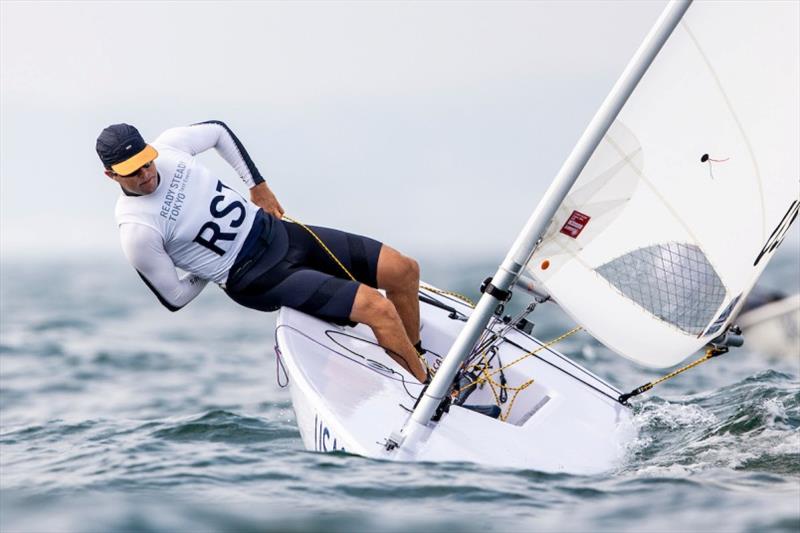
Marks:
<point>173,213</point>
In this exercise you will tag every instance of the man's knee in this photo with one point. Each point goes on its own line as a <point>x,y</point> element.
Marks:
<point>412,270</point>
<point>396,272</point>
<point>372,308</point>
<point>406,274</point>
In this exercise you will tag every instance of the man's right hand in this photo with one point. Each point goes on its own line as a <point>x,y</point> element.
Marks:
<point>263,197</point>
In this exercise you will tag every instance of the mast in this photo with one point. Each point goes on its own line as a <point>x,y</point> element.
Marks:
<point>526,242</point>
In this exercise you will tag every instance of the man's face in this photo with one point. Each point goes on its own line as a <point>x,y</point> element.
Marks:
<point>143,181</point>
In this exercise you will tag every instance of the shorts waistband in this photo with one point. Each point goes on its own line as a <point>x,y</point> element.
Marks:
<point>262,244</point>
<point>259,233</point>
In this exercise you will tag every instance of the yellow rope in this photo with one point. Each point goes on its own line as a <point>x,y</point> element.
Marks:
<point>487,376</point>
<point>516,392</point>
<point>336,260</point>
<point>324,247</point>
<point>537,350</point>
<point>709,354</point>
<point>450,293</point>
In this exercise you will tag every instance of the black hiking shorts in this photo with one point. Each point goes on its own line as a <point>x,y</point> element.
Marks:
<point>282,264</point>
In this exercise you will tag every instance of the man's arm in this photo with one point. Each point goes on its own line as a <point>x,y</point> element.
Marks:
<point>203,136</point>
<point>145,250</point>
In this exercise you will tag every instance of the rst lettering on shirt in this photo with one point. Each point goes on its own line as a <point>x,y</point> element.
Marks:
<point>225,210</point>
<point>175,196</point>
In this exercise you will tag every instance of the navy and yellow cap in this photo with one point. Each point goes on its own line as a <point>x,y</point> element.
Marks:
<point>122,149</point>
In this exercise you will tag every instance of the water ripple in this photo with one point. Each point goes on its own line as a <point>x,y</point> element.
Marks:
<point>222,426</point>
<point>117,415</point>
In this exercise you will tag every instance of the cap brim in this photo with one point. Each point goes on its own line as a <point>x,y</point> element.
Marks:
<point>136,162</point>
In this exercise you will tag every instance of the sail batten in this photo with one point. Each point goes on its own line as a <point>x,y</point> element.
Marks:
<point>654,248</point>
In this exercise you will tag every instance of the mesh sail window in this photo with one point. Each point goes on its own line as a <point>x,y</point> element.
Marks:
<point>682,204</point>
<point>673,281</point>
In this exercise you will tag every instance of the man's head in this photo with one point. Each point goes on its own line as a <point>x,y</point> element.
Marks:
<point>128,159</point>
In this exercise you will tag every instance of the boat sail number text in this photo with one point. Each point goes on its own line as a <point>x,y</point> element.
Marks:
<point>324,440</point>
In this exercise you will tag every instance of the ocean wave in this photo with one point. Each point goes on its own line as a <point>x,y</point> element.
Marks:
<point>222,426</point>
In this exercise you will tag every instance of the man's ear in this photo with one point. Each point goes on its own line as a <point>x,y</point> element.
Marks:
<point>111,174</point>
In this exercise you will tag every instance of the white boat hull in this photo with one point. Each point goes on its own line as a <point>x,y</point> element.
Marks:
<point>348,395</point>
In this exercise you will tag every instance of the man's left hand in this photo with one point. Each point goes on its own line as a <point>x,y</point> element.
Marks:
<point>262,196</point>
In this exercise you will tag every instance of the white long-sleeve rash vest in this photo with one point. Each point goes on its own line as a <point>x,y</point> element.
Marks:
<point>192,220</point>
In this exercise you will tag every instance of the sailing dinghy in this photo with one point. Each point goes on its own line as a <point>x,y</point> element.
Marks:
<point>348,395</point>
<point>650,237</point>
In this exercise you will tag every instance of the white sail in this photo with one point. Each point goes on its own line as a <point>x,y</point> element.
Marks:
<point>684,201</point>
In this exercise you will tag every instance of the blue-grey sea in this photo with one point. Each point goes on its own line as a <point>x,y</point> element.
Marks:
<point>117,415</point>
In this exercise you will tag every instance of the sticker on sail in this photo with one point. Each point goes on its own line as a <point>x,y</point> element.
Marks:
<point>575,224</point>
<point>715,326</point>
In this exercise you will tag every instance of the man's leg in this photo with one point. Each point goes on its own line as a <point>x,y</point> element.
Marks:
<point>399,275</point>
<point>370,261</point>
<point>380,314</point>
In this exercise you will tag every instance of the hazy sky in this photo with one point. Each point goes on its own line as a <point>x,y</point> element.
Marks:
<point>434,127</point>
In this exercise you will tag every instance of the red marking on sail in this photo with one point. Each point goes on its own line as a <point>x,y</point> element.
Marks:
<point>575,224</point>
